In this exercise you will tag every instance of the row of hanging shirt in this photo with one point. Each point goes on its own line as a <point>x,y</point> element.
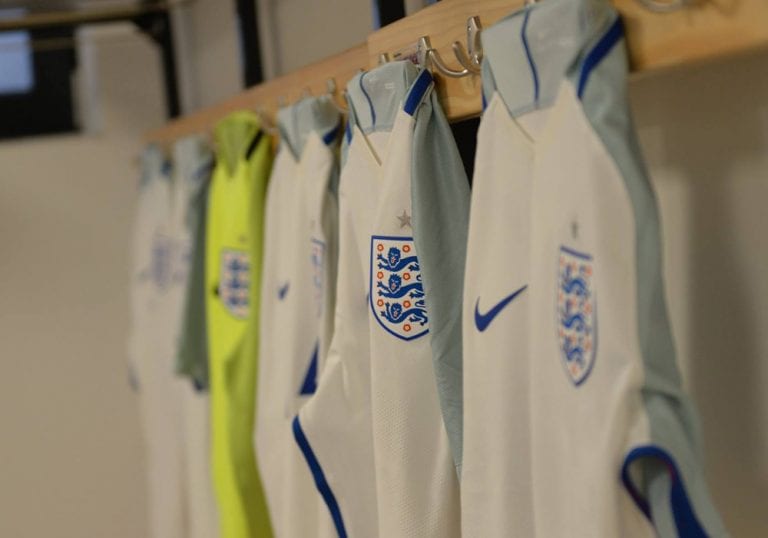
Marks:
<point>391,355</point>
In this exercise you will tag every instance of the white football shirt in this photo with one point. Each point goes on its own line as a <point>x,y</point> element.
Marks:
<point>373,434</point>
<point>174,413</point>
<point>298,280</point>
<point>573,406</point>
<point>417,486</point>
<point>193,160</point>
<point>333,429</point>
<point>495,318</point>
<point>152,342</point>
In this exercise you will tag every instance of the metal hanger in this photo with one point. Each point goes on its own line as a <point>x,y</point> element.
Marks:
<point>266,123</point>
<point>470,61</point>
<point>473,58</point>
<point>330,84</point>
<point>427,55</point>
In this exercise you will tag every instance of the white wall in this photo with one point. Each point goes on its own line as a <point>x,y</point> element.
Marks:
<point>304,32</point>
<point>294,33</point>
<point>704,130</point>
<point>71,453</point>
<point>208,50</point>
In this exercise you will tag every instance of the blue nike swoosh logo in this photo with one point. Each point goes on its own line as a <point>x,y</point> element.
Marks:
<point>282,291</point>
<point>483,320</point>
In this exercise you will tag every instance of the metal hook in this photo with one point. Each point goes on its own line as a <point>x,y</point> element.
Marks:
<point>266,124</point>
<point>427,54</point>
<point>474,58</point>
<point>330,84</point>
<point>664,6</point>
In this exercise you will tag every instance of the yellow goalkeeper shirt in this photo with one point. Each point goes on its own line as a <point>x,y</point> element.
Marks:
<point>233,267</point>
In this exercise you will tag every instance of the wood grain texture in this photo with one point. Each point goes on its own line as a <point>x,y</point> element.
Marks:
<point>703,30</point>
<point>706,29</point>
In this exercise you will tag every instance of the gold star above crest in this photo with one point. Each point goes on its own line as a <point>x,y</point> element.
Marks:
<point>405,220</point>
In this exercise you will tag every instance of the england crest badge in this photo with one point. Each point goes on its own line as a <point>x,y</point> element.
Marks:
<point>235,284</point>
<point>397,293</point>
<point>576,313</point>
<point>161,262</point>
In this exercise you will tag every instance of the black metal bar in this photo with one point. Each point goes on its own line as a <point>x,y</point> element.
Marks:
<point>390,11</point>
<point>151,17</point>
<point>170,78</point>
<point>158,27</point>
<point>248,15</point>
<point>46,106</point>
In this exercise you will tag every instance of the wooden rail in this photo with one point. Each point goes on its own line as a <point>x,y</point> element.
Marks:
<point>706,29</point>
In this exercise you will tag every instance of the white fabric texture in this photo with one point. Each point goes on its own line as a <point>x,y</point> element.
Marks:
<point>295,326</point>
<point>545,439</point>
<point>495,485</point>
<point>521,468</point>
<point>575,422</point>
<point>417,488</point>
<point>150,350</point>
<point>337,419</point>
<point>174,415</point>
<point>374,426</point>
<point>587,211</point>
<point>191,173</point>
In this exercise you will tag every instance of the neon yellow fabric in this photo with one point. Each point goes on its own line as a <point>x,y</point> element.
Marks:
<point>233,267</point>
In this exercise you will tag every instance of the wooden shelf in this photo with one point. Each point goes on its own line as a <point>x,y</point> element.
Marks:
<point>267,96</point>
<point>704,30</point>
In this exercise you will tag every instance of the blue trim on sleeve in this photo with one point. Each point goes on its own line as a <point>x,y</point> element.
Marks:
<point>370,102</point>
<point>600,51</point>
<point>309,385</point>
<point>416,94</point>
<point>528,55</point>
<point>687,524</point>
<point>330,136</point>
<point>349,131</point>
<point>319,476</point>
